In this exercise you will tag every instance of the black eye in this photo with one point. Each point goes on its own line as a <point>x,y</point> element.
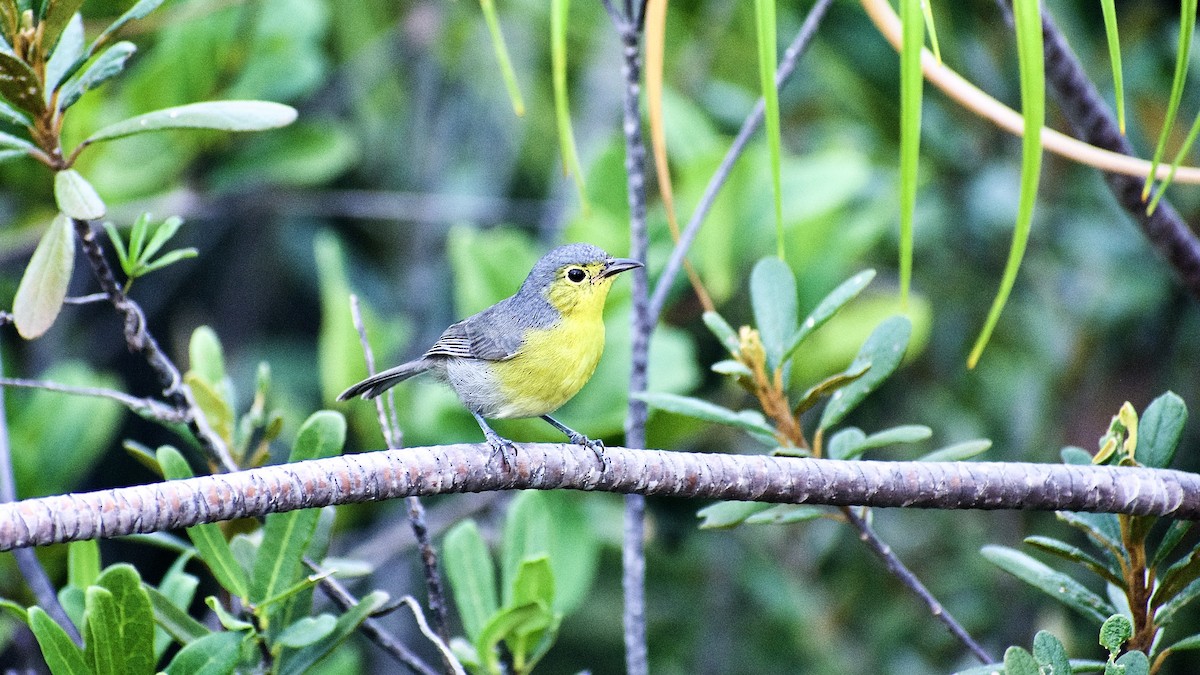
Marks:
<point>576,275</point>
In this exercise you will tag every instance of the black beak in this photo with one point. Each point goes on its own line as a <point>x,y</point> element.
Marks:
<point>618,265</point>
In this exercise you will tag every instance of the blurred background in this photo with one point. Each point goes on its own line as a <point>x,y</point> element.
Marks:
<point>409,181</point>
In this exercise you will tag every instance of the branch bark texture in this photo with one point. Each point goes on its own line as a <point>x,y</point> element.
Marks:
<point>467,468</point>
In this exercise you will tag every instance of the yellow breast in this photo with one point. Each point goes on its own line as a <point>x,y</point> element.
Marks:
<point>552,366</point>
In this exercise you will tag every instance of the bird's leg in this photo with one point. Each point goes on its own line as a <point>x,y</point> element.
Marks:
<point>500,445</point>
<point>579,439</point>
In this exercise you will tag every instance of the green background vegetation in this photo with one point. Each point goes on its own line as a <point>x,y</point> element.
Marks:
<point>409,180</point>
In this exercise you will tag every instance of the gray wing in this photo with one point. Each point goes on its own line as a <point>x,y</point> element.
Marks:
<point>495,334</point>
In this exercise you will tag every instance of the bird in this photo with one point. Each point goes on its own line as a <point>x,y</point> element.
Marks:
<point>526,355</point>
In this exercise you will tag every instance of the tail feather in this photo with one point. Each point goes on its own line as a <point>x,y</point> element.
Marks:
<point>381,382</point>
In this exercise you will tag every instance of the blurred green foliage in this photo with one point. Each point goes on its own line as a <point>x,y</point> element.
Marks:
<point>409,181</point>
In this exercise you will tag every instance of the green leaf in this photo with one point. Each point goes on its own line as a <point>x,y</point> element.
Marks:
<point>506,69</point>
<point>1187,643</point>
<point>534,581</point>
<point>215,408</point>
<point>209,540</point>
<point>574,548</point>
<point>764,15</point>
<point>1048,651</point>
<point>20,85</point>
<point>773,297</point>
<point>748,420</point>
<point>16,143</point>
<point>884,350</point>
<point>1076,555</point>
<point>731,367</point>
<point>1187,26</point>
<point>135,618</point>
<point>723,331</point>
<point>54,22</point>
<point>76,197</point>
<point>911,90</point>
<point>958,452</point>
<point>218,115</point>
<point>139,11</point>
<point>14,611</point>
<point>1177,577</point>
<point>827,386</point>
<point>169,258</point>
<point>162,234</point>
<point>206,358</point>
<point>228,621</point>
<point>1031,61</point>
<point>910,433</point>
<point>174,620</point>
<point>829,305</point>
<point>1170,540</point>
<point>107,66</point>
<point>103,646</point>
<point>43,287</point>
<point>118,244</point>
<point>286,535</point>
<point>1114,632</point>
<point>213,654</point>
<point>300,661</point>
<point>1102,528</point>
<point>1055,584</point>
<point>66,54</point>
<point>61,654</point>
<point>1017,661</point>
<point>843,442</point>
<point>307,631</point>
<point>1114,55</point>
<point>1134,663</point>
<point>83,563</point>
<point>786,514</point>
<point>16,117</point>
<point>526,536</point>
<point>1160,429</point>
<point>724,515</point>
<point>559,10</point>
<point>1180,156</point>
<point>507,622</point>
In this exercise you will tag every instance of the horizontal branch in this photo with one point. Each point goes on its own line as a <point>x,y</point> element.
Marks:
<point>469,468</point>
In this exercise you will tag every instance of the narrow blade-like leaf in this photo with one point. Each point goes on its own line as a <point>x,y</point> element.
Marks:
<point>66,54</point>
<point>911,89</point>
<point>43,287</point>
<point>764,15</point>
<point>1114,55</point>
<point>60,653</point>
<point>723,515</point>
<point>506,68</point>
<point>108,65</point>
<point>1187,26</point>
<point>749,420</point>
<point>472,577</point>
<point>958,452</point>
<point>139,11</point>
<point>559,9</point>
<point>1028,17</point>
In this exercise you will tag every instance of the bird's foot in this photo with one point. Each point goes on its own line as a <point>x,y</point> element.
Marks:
<point>503,447</point>
<point>597,446</point>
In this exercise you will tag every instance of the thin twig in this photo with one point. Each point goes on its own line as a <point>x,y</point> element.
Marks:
<point>897,568</point>
<point>85,299</point>
<point>146,407</point>
<point>27,560</point>
<point>415,607</point>
<point>462,468</point>
<point>139,340</point>
<point>787,66</point>
<point>371,628</point>
<point>416,511</point>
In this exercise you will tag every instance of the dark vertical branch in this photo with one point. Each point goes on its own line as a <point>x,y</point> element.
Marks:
<point>139,340</point>
<point>27,561</point>
<point>628,27</point>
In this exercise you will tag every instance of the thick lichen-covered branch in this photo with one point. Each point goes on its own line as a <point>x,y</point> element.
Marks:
<point>468,468</point>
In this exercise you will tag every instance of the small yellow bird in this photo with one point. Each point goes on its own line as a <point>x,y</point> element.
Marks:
<point>528,354</point>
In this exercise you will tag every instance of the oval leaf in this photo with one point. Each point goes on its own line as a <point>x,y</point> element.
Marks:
<point>20,85</point>
<point>213,654</point>
<point>1048,651</point>
<point>472,576</point>
<point>219,115</point>
<point>724,515</point>
<point>76,197</point>
<point>110,64</point>
<point>773,296</point>
<point>44,285</point>
<point>749,420</point>
<point>883,349</point>
<point>838,298</point>
<point>958,452</point>
<point>1160,429</point>
<point>1055,584</point>
<point>58,650</point>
